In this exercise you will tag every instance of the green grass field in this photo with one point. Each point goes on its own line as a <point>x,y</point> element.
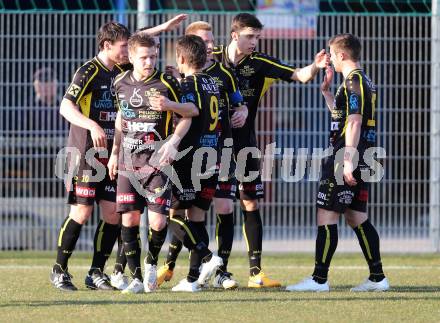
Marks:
<point>26,294</point>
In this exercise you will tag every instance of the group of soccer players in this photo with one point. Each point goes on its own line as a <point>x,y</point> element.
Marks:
<point>169,140</point>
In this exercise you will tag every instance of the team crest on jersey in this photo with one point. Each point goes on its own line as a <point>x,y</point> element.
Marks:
<point>152,92</point>
<point>74,90</point>
<point>136,99</point>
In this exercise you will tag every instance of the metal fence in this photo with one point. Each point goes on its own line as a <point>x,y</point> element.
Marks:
<point>396,55</point>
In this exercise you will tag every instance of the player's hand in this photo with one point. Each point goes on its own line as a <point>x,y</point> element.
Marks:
<point>112,166</point>
<point>98,137</point>
<point>348,173</point>
<point>159,103</point>
<point>167,154</point>
<point>171,70</point>
<point>239,117</point>
<point>328,77</point>
<point>174,22</point>
<point>322,59</point>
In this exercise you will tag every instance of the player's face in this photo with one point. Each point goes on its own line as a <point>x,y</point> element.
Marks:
<point>208,38</point>
<point>247,39</point>
<point>143,60</point>
<point>118,51</point>
<point>335,59</point>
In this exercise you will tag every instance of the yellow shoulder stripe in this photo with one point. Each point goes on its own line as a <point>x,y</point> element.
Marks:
<point>198,94</point>
<point>85,86</point>
<point>169,87</point>
<point>234,86</point>
<point>274,63</point>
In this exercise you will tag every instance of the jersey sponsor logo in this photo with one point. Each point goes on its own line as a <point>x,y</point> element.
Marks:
<point>334,126</point>
<point>337,114</point>
<point>135,99</point>
<point>209,85</point>
<point>345,197</point>
<point>107,116</point>
<point>125,198</point>
<point>109,188</point>
<point>112,86</point>
<point>152,92</point>
<point>105,102</point>
<point>354,102</point>
<point>85,191</point>
<point>109,133</point>
<point>74,90</point>
<point>149,114</point>
<point>189,97</point>
<point>139,126</point>
<point>247,71</point>
<point>322,196</point>
<point>126,112</point>
<point>370,135</point>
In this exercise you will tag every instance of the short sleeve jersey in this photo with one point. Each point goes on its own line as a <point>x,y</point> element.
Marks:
<point>142,126</point>
<point>356,95</point>
<point>93,91</point>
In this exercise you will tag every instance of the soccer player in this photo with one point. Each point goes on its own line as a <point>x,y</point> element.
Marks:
<point>89,107</point>
<point>200,89</point>
<point>231,102</point>
<point>117,279</point>
<point>256,72</point>
<point>138,128</point>
<point>352,133</point>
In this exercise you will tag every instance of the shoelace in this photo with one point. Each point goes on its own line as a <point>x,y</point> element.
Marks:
<point>66,278</point>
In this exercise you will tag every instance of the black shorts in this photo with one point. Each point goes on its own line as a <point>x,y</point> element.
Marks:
<point>338,198</point>
<point>226,188</point>
<point>252,190</point>
<point>189,196</point>
<point>152,190</point>
<point>85,191</point>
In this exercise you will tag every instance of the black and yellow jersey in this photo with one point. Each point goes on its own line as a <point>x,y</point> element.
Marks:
<point>142,126</point>
<point>356,95</point>
<point>256,73</point>
<point>202,90</point>
<point>230,97</point>
<point>93,91</point>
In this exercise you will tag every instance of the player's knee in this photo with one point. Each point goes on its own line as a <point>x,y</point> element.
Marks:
<point>196,214</point>
<point>223,206</point>
<point>157,221</point>
<point>249,205</point>
<point>80,213</point>
<point>131,219</point>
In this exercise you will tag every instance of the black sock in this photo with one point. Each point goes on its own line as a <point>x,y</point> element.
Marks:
<point>156,240</point>
<point>67,238</point>
<point>105,238</point>
<point>132,250</point>
<point>121,260</point>
<point>173,252</point>
<point>188,234</point>
<point>253,230</point>
<point>224,234</point>
<point>201,231</point>
<point>326,243</point>
<point>370,245</point>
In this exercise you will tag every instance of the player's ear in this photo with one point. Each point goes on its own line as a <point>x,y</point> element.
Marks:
<point>106,45</point>
<point>234,35</point>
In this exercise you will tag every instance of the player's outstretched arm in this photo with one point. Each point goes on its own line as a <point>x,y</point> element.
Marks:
<point>162,103</point>
<point>307,73</point>
<point>71,113</point>
<point>169,25</point>
<point>112,164</point>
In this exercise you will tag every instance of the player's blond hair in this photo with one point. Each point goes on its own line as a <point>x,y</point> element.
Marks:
<point>192,28</point>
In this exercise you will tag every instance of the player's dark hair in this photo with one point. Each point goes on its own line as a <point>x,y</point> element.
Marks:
<point>112,32</point>
<point>245,20</point>
<point>140,39</point>
<point>193,49</point>
<point>347,43</point>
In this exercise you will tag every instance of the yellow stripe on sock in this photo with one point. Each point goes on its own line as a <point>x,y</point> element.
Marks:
<point>100,234</point>
<point>364,238</point>
<point>327,243</point>
<point>245,238</point>
<point>188,231</point>
<point>63,228</point>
